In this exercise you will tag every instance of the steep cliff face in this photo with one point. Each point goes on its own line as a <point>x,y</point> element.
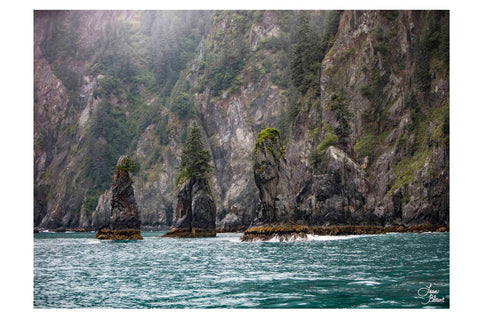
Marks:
<point>367,142</point>
<point>338,194</point>
<point>64,109</point>
<point>388,124</point>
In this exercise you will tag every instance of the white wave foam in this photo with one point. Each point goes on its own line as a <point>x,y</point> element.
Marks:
<point>366,282</point>
<point>298,238</point>
<point>313,237</point>
<point>229,234</point>
<point>93,241</point>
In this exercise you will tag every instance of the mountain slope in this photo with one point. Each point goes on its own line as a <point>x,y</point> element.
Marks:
<point>370,87</point>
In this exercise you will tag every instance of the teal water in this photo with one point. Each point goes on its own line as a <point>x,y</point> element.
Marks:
<point>74,270</point>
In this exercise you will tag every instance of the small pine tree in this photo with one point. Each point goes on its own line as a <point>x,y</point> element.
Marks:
<point>127,164</point>
<point>195,159</point>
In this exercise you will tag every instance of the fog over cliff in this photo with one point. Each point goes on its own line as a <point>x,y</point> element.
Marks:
<point>360,100</point>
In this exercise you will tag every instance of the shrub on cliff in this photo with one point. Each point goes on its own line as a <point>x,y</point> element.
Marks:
<point>195,159</point>
<point>183,105</point>
<point>316,157</point>
<point>268,133</point>
<point>128,164</point>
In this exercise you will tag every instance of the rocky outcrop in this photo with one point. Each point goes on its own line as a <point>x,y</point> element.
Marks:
<point>338,194</point>
<point>272,179</point>
<point>101,215</point>
<point>291,233</point>
<point>195,212</point>
<point>124,223</point>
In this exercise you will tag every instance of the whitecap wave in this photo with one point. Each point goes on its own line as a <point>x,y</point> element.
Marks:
<point>229,234</point>
<point>287,238</point>
<point>92,241</point>
<point>313,237</point>
<point>302,238</point>
<point>366,282</point>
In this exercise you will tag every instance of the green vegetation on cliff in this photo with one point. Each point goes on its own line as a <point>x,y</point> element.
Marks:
<point>128,165</point>
<point>432,49</point>
<point>269,139</point>
<point>268,134</point>
<point>309,50</point>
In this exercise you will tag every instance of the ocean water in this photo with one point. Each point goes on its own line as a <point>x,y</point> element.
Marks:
<point>74,270</point>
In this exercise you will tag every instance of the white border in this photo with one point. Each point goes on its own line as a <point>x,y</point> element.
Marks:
<point>17,162</point>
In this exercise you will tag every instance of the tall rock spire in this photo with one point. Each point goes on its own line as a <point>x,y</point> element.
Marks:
<point>124,219</point>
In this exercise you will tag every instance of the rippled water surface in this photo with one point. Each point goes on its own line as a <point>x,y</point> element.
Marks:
<point>376,271</point>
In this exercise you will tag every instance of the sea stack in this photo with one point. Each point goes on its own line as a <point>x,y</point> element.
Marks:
<point>276,207</point>
<point>196,211</point>
<point>124,221</point>
<point>271,177</point>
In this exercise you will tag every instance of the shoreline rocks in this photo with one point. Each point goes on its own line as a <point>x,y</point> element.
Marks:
<point>192,233</point>
<point>124,234</point>
<point>286,233</point>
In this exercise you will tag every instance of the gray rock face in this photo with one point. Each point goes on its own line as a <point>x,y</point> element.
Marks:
<point>101,215</point>
<point>338,194</point>
<point>272,179</point>
<point>124,207</point>
<point>124,222</point>
<point>203,206</point>
<point>196,211</point>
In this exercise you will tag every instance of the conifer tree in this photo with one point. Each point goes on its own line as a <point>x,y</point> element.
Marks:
<point>310,49</point>
<point>302,56</point>
<point>195,158</point>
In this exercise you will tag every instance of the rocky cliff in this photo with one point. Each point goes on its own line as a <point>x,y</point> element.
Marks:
<point>364,123</point>
<point>384,124</point>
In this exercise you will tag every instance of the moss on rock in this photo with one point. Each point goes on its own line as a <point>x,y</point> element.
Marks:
<point>267,134</point>
<point>189,233</point>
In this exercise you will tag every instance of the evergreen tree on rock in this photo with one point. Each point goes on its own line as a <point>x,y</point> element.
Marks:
<point>195,213</point>
<point>195,158</point>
